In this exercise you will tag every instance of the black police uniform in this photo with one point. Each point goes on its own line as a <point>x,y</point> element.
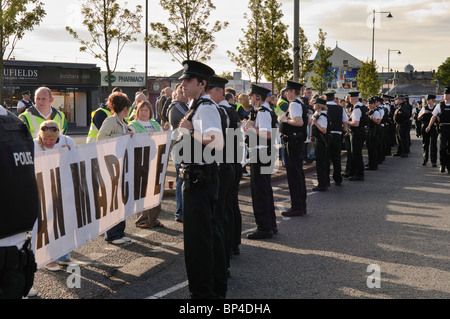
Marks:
<point>294,138</point>
<point>335,114</point>
<point>228,193</point>
<point>402,117</point>
<point>17,216</point>
<point>429,139</point>
<point>373,137</point>
<point>444,134</point>
<point>321,151</point>
<point>203,238</point>
<point>357,138</point>
<point>260,179</point>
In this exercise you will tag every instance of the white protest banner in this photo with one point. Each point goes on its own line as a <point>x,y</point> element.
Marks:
<point>85,191</point>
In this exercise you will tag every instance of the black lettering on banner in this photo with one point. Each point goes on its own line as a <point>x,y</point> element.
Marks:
<point>112,163</point>
<point>42,231</point>
<point>141,169</point>
<point>99,190</point>
<point>82,202</point>
<point>58,214</point>
<point>125,189</point>
<point>159,168</point>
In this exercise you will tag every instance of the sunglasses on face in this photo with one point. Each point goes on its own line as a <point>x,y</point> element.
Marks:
<point>51,129</point>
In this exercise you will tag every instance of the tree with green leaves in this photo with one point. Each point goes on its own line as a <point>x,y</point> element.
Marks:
<point>16,18</point>
<point>367,79</point>
<point>191,37</point>
<point>110,27</point>
<point>443,73</point>
<point>305,53</point>
<point>248,55</point>
<point>277,62</point>
<point>321,66</point>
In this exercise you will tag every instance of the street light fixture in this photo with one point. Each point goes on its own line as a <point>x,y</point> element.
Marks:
<point>373,27</point>
<point>389,53</point>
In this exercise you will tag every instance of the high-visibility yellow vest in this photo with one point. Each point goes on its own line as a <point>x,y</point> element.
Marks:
<point>93,130</point>
<point>277,108</point>
<point>34,122</point>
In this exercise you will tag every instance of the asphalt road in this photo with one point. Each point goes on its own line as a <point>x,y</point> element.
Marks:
<point>384,238</point>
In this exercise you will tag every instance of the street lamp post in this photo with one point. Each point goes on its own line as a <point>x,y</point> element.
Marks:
<point>373,27</point>
<point>389,53</point>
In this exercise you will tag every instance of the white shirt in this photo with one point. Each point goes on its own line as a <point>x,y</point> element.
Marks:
<point>376,115</point>
<point>63,140</point>
<point>263,119</point>
<point>437,109</point>
<point>207,118</point>
<point>356,114</point>
<point>322,121</point>
<point>295,109</point>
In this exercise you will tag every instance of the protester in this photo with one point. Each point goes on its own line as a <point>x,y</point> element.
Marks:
<point>144,123</point>
<point>114,126</point>
<point>50,138</point>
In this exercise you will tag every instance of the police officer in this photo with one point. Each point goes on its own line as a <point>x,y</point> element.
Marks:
<point>229,180</point>
<point>402,117</point>
<point>429,139</point>
<point>442,110</point>
<point>17,216</point>
<point>97,118</point>
<point>259,131</point>
<point>357,123</point>
<point>203,239</point>
<point>25,103</point>
<point>293,132</point>
<point>338,124</point>
<point>372,134</point>
<point>43,111</point>
<point>389,124</point>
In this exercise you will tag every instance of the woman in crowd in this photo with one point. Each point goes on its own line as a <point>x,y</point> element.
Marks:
<point>114,126</point>
<point>50,138</point>
<point>144,123</point>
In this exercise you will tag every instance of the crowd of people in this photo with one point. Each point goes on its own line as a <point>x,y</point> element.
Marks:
<point>296,125</point>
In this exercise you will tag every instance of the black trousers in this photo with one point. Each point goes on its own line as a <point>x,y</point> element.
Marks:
<point>334,151</point>
<point>236,217</point>
<point>262,198</point>
<point>403,138</point>
<point>322,163</point>
<point>372,142</point>
<point>295,174</point>
<point>444,146</point>
<point>204,247</point>
<point>226,180</point>
<point>357,138</point>
<point>429,145</point>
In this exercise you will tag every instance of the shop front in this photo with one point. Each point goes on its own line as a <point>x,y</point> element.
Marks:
<point>75,87</point>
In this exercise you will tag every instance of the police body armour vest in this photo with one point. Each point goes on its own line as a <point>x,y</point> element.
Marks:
<point>18,187</point>
<point>287,129</point>
<point>444,117</point>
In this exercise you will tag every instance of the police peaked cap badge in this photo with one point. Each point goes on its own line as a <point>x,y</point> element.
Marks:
<point>354,93</point>
<point>195,69</point>
<point>291,85</point>
<point>217,82</point>
<point>260,90</point>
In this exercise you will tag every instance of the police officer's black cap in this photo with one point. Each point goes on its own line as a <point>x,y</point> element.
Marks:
<point>431,97</point>
<point>329,93</point>
<point>447,90</point>
<point>26,93</point>
<point>195,69</point>
<point>320,101</point>
<point>217,82</point>
<point>354,93</point>
<point>260,90</point>
<point>291,85</point>
<point>389,97</point>
<point>419,102</point>
<point>373,100</point>
<point>400,96</point>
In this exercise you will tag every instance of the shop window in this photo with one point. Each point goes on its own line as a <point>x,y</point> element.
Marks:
<point>65,102</point>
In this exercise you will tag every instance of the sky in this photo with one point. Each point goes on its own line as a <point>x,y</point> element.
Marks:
<point>419,29</point>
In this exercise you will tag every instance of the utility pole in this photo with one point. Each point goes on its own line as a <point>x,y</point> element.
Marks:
<point>296,38</point>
